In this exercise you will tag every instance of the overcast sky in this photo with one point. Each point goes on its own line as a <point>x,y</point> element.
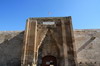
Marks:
<point>85,13</point>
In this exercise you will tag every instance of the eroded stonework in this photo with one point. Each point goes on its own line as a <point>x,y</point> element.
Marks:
<point>56,39</point>
<point>10,48</point>
<point>89,41</point>
<point>11,45</point>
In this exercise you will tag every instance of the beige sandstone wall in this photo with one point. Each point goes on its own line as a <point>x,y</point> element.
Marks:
<point>91,52</point>
<point>10,47</point>
<point>11,43</point>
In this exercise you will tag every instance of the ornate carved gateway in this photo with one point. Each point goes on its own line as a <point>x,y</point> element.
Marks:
<point>49,42</point>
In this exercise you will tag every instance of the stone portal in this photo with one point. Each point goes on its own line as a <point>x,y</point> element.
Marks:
<point>49,42</point>
<point>49,60</point>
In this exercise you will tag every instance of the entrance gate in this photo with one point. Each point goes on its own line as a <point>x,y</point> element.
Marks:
<point>49,61</point>
<point>56,36</point>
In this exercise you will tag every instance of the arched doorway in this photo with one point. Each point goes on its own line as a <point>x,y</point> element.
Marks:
<point>49,61</point>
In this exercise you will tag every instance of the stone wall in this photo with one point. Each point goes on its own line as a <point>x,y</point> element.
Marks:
<point>10,47</point>
<point>91,52</point>
<point>11,43</point>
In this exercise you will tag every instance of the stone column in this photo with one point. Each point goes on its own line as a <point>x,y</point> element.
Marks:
<point>29,56</point>
<point>65,54</point>
<point>68,43</point>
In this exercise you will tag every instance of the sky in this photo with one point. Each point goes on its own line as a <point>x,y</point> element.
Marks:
<point>13,13</point>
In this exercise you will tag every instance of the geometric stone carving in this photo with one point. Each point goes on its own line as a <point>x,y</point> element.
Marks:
<point>49,44</point>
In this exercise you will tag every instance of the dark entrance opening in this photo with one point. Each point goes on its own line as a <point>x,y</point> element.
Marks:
<point>49,61</point>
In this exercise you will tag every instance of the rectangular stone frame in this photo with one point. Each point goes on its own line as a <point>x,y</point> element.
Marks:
<point>29,48</point>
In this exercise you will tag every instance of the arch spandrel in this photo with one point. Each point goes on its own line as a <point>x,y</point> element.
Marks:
<point>40,37</point>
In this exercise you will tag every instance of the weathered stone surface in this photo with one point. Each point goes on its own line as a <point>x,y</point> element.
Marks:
<point>10,47</point>
<point>91,53</point>
<point>11,44</point>
<point>56,41</point>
